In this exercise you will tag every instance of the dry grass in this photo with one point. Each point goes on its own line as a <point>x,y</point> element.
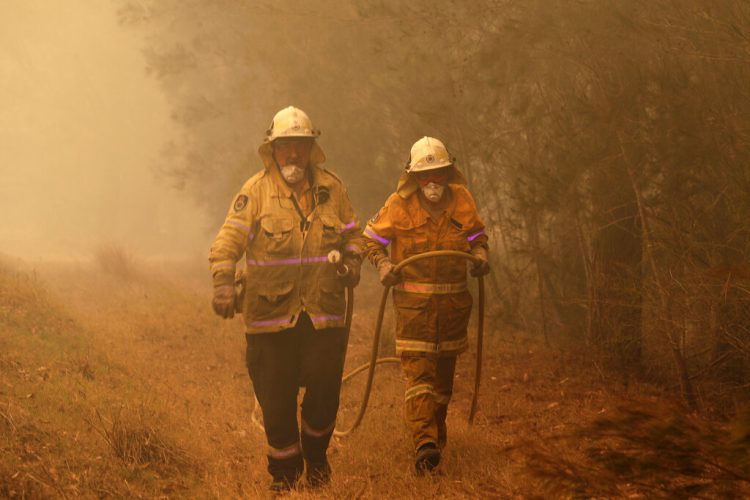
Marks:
<point>53,374</point>
<point>169,384</point>
<point>138,443</point>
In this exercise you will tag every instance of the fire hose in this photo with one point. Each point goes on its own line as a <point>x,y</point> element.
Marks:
<point>334,257</point>
<point>374,360</point>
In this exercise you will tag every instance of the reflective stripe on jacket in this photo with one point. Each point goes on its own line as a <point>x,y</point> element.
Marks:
<point>432,303</point>
<point>285,252</point>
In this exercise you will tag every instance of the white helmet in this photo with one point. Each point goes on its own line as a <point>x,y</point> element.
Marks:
<point>290,122</point>
<point>428,153</point>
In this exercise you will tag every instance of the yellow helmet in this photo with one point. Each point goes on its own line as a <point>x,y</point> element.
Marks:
<point>290,122</point>
<point>428,153</point>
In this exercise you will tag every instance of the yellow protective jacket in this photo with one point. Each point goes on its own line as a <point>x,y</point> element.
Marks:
<point>432,303</point>
<point>287,271</point>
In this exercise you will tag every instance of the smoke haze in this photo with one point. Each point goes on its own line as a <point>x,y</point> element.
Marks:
<point>81,126</point>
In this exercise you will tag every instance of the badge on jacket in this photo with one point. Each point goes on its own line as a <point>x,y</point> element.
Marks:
<point>240,203</point>
<point>321,195</point>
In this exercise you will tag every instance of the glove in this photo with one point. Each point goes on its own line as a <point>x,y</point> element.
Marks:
<point>351,278</point>
<point>481,265</point>
<point>223,301</point>
<point>387,276</point>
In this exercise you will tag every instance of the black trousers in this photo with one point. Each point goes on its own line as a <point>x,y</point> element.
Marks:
<point>280,363</point>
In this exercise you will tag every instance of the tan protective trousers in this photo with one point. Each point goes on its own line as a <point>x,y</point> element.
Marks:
<point>429,388</point>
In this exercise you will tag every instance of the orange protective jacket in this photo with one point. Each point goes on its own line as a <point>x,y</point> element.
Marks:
<point>432,302</point>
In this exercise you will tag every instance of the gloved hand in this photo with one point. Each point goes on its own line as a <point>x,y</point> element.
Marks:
<point>481,267</point>
<point>386,273</point>
<point>223,301</point>
<point>351,278</point>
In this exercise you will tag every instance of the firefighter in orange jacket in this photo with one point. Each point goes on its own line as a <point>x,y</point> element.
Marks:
<point>430,210</point>
<point>285,220</point>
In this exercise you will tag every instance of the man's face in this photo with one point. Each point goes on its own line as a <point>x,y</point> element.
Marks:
<point>292,151</point>
<point>292,155</point>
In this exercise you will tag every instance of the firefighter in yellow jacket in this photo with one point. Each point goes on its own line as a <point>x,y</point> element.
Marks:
<point>430,210</point>
<point>284,221</point>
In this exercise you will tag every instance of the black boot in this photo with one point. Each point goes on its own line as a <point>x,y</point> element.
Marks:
<point>285,472</point>
<point>428,457</point>
<point>314,450</point>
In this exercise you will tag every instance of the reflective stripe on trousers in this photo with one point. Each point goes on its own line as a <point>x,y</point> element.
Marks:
<point>408,345</point>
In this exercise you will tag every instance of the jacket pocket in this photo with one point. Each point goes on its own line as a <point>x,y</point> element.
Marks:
<point>416,244</point>
<point>270,300</point>
<point>454,311</point>
<point>413,238</point>
<point>277,235</point>
<point>452,269</point>
<point>455,239</point>
<point>331,232</point>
